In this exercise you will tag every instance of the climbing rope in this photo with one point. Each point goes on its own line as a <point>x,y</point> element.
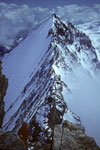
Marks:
<point>60,148</point>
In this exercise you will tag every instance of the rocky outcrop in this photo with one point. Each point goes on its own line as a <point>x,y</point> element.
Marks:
<point>10,141</point>
<point>70,137</point>
<point>3,88</point>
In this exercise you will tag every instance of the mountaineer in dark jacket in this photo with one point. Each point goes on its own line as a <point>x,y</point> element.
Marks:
<point>24,133</point>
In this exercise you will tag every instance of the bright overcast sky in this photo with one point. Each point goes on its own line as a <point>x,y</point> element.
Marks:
<point>52,3</point>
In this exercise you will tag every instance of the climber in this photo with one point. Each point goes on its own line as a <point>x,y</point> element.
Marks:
<point>24,133</point>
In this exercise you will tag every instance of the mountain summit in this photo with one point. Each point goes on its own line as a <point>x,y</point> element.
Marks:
<point>39,73</point>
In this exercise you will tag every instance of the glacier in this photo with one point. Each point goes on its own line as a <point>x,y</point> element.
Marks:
<point>48,74</point>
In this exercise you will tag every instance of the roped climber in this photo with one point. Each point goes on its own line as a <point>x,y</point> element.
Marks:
<point>24,133</point>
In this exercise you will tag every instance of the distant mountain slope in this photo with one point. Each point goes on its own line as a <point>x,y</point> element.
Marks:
<point>92,29</point>
<point>7,48</point>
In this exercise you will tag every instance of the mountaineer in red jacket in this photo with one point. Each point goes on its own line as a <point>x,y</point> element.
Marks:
<point>24,133</point>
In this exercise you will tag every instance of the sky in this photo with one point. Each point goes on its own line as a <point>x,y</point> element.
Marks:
<point>52,3</point>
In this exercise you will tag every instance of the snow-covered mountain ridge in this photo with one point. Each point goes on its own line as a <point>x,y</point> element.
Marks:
<point>39,72</point>
<point>92,29</point>
<point>77,45</point>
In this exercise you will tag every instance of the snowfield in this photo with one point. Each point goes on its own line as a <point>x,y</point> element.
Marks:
<point>20,63</point>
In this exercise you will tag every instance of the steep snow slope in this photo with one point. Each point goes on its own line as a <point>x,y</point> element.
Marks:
<point>20,63</point>
<point>44,71</point>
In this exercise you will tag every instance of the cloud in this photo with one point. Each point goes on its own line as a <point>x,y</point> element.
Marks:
<point>78,14</point>
<point>85,101</point>
<point>15,19</point>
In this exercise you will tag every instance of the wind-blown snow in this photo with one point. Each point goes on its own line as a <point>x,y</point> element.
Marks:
<point>84,99</point>
<point>18,65</point>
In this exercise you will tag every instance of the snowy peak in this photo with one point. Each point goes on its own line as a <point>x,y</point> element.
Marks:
<point>62,29</point>
<point>75,44</point>
<point>34,59</point>
<point>39,72</point>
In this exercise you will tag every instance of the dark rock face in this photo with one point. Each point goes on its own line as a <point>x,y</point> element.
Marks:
<point>3,50</point>
<point>9,140</point>
<point>70,137</point>
<point>3,88</point>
